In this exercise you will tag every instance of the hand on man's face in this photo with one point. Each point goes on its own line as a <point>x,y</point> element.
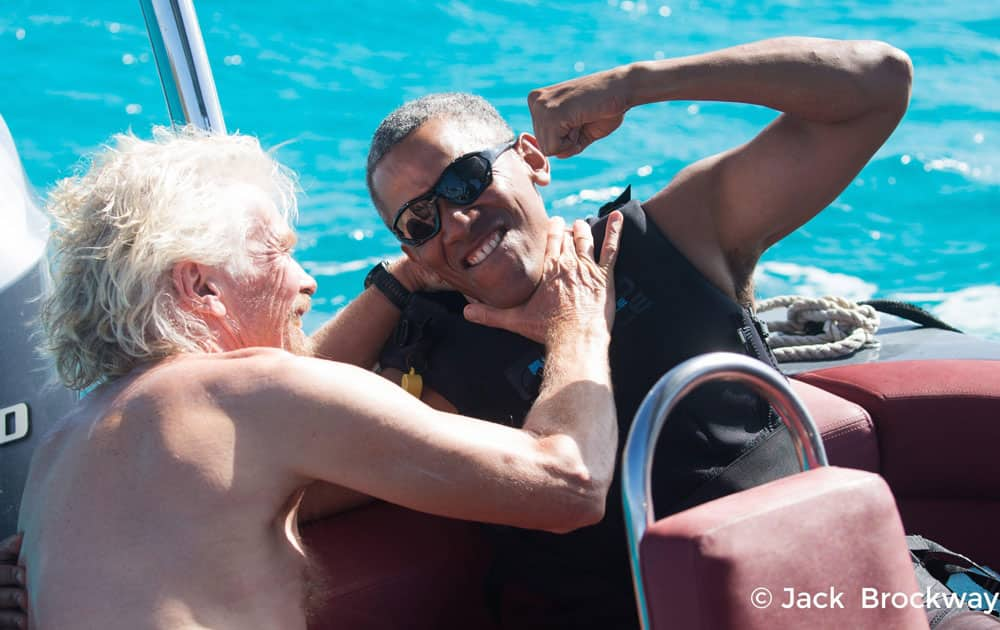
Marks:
<point>417,277</point>
<point>576,292</point>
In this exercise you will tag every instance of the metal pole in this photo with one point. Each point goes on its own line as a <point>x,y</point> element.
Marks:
<point>637,458</point>
<point>183,65</point>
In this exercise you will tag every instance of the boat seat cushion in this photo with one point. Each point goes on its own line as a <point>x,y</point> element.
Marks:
<point>938,427</point>
<point>847,429</point>
<point>382,567</point>
<point>828,527</point>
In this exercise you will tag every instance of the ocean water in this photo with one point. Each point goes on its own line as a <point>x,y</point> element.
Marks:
<point>919,223</point>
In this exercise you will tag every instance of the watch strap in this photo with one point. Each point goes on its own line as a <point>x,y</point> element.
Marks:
<point>384,281</point>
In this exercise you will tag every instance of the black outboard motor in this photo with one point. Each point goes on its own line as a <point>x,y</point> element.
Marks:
<point>31,398</point>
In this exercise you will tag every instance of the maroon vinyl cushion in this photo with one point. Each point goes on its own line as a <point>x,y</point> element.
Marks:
<point>847,429</point>
<point>938,428</point>
<point>383,567</point>
<point>826,528</point>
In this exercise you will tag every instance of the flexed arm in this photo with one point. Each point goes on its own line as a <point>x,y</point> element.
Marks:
<point>840,101</point>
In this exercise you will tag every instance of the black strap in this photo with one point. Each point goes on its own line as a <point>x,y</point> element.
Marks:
<point>771,458</point>
<point>938,563</point>
<point>910,312</point>
<point>619,201</point>
<point>412,339</point>
<point>943,563</point>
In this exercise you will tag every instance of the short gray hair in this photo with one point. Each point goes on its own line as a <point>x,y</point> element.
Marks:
<point>456,106</point>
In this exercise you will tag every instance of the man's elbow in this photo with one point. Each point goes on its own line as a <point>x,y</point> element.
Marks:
<point>579,485</point>
<point>889,74</point>
<point>585,508</point>
<point>580,500</point>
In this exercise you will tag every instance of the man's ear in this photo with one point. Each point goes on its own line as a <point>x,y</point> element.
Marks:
<point>196,288</point>
<point>532,155</point>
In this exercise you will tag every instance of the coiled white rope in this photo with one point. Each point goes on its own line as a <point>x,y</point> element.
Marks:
<point>847,327</point>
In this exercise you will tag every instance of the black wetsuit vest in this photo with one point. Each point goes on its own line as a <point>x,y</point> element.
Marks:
<point>666,312</point>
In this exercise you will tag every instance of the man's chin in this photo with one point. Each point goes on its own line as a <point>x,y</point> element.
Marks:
<point>504,287</point>
<point>507,294</point>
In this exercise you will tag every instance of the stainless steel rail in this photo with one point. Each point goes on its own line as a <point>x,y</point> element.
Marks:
<point>183,65</point>
<point>637,458</point>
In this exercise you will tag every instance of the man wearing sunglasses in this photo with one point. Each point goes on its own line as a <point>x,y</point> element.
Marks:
<point>459,190</point>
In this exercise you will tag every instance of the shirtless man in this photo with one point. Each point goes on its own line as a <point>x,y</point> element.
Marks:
<point>168,497</point>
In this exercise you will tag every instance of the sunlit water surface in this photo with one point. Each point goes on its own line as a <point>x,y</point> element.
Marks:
<point>919,223</point>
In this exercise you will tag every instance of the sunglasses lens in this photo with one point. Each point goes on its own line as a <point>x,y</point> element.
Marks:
<point>465,180</point>
<point>418,221</point>
<point>461,183</point>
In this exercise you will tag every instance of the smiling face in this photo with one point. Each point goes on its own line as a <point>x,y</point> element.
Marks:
<point>491,250</point>
<point>265,302</point>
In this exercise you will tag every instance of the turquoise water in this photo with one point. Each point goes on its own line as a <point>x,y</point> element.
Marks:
<point>920,222</point>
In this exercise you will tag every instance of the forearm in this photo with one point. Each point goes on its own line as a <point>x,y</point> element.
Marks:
<point>358,332</point>
<point>816,79</point>
<point>575,415</point>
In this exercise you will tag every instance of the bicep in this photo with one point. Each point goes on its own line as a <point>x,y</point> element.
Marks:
<point>794,168</point>
<point>725,210</point>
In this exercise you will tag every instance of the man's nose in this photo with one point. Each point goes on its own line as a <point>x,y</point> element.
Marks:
<point>456,221</point>
<point>309,288</point>
<point>308,285</point>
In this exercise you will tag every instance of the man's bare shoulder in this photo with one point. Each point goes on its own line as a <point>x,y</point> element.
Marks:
<point>214,371</point>
<point>251,382</point>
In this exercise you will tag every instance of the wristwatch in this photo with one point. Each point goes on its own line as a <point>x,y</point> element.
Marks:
<point>385,282</point>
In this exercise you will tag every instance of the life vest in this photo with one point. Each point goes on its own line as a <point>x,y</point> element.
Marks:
<point>722,438</point>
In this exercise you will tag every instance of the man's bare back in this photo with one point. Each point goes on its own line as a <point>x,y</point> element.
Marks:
<point>161,525</point>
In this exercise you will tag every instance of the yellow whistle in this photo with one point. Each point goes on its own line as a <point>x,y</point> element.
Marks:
<point>413,383</point>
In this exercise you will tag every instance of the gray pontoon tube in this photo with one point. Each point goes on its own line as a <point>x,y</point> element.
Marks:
<point>31,399</point>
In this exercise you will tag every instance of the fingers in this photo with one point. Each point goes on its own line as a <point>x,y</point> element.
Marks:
<point>13,607</point>
<point>10,547</point>
<point>12,621</point>
<point>553,246</point>
<point>553,125</point>
<point>583,239</point>
<point>612,241</point>
<point>11,575</point>
<point>568,144</point>
<point>511,319</point>
<point>486,315</point>
<point>12,599</point>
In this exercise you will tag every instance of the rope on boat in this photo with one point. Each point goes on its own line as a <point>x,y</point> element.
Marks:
<point>819,328</point>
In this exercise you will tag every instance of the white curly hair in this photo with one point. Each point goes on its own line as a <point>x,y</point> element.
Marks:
<point>142,207</point>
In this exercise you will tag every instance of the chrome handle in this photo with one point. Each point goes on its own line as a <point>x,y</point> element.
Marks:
<point>637,458</point>
<point>182,62</point>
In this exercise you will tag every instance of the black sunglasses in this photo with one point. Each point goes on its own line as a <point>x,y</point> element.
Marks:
<point>461,183</point>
